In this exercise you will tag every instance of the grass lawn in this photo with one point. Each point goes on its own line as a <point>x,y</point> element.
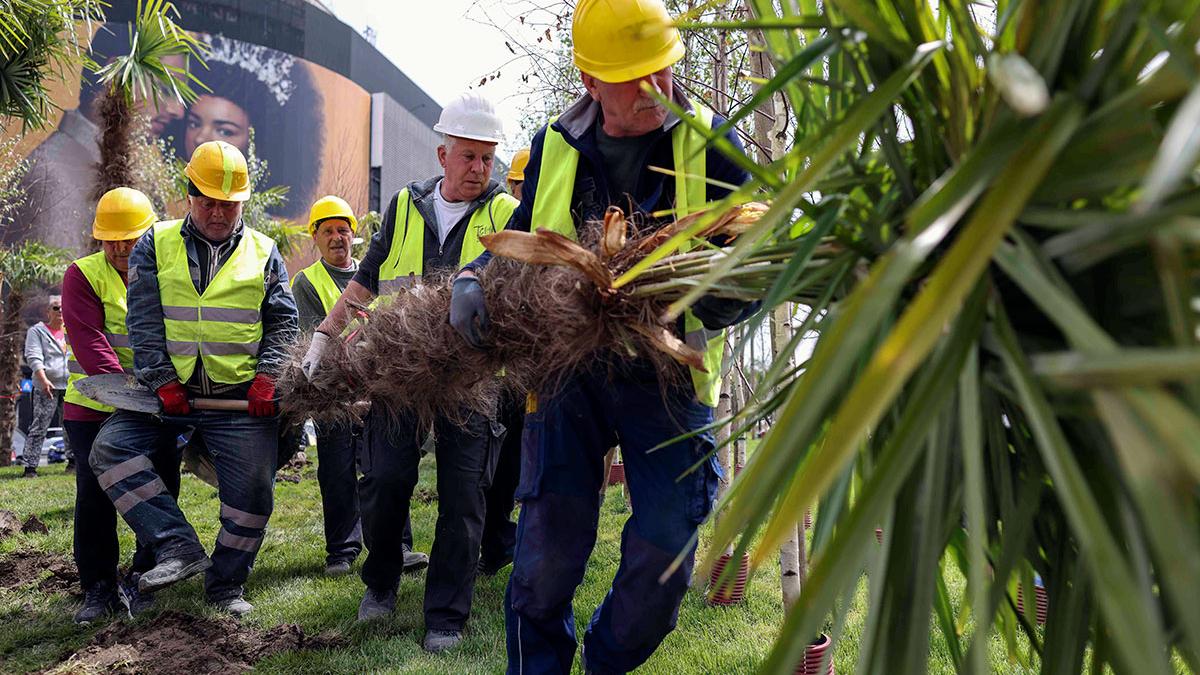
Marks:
<point>287,587</point>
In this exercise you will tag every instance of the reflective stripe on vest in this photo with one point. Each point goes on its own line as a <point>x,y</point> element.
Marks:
<point>406,258</point>
<point>326,288</point>
<point>552,211</point>
<point>223,327</point>
<point>107,284</point>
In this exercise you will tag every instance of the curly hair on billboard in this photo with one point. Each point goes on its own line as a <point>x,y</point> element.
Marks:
<point>279,101</point>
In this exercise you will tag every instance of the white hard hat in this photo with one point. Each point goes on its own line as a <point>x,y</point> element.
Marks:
<point>470,115</point>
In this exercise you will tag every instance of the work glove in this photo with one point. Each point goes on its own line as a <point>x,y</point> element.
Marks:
<point>466,307</point>
<point>174,398</point>
<point>717,313</point>
<point>312,358</point>
<point>261,396</point>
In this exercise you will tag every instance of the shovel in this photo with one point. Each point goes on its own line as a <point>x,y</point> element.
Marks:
<point>124,392</point>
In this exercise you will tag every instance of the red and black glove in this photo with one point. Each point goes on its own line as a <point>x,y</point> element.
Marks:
<point>174,398</point>
<point>262,396</point>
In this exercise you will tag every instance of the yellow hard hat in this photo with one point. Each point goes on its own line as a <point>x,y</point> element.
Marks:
<point>516,170</point>
<point>121,214</point>
<point>218,170</point>
<point>622,40</point>
<point>328,207</point>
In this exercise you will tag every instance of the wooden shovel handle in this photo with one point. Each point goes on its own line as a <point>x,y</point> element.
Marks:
<point>220,404</point>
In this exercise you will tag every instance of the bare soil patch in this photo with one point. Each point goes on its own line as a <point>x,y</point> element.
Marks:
<point>174,642</point>
<point>26,567</point>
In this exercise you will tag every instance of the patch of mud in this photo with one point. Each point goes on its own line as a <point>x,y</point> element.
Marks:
<point>425,495</point>
<point>174,642</point>
<point>10,524</point>
<point>33,525</point>
<point>293,471</point>
<point>26,567</point>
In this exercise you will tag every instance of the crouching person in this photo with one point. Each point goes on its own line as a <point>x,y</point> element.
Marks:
<point>210,315</point>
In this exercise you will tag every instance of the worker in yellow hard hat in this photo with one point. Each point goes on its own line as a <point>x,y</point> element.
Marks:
<point>516,172</point>
<point>93,311</point>
<point>210,316</point>
<point>598,153</point>
<point>332,224</point>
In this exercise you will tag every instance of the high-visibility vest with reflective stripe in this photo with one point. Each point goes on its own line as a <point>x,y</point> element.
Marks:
<point>552,211</point>
<point>108,286</point>
<point>223,327</point>
<point>406,258</point>
<point>326,288</point>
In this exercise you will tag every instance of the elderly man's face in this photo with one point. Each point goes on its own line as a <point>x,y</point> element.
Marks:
<point>213,217</point>
<point>333,237</point>
<point>467,165</point>
<point>629,111</point>
<point>117,253</point>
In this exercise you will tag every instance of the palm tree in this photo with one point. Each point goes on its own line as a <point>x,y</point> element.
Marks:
<point>22,269</point>
<point>1007,376</point>
<point>144,74</point>
<point>38,43</point>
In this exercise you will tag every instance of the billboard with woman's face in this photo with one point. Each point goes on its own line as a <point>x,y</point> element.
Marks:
<point>310,125</point>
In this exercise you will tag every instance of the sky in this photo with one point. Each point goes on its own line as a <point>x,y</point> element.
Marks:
<point>444,47</point>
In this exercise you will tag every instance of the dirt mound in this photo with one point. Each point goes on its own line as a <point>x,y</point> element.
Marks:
<point>10,524</point>
<point>175,642</point>
<point>25,567</point>
<point>33,525</point>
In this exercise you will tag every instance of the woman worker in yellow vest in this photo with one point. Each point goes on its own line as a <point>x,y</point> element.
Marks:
<point>93,303</point>
<point>210,315</point>
<point>332,224</point>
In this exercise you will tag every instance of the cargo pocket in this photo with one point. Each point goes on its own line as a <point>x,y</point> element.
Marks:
<point>533,456</point>
<point>495,442</point>
<point>703,480</point>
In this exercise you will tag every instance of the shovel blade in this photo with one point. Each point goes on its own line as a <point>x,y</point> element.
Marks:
<point>120,391</point>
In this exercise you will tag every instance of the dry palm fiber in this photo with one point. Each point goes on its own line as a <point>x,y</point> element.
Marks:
<point>551,308</point>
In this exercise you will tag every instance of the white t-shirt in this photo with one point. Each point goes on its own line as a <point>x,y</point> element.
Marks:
<point>448,213</point>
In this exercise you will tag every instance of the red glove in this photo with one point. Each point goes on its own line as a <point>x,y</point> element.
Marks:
<point>262,396</point>
<point>174,398</point>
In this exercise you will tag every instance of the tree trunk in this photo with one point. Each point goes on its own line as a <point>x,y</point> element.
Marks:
<point>790,566</point>
<point>116,144</point>
<point>724,410</point>
<point>10,370</point>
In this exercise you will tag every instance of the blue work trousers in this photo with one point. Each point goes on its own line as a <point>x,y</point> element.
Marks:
<point>97,551</point>
<point>563,450</point>
<point>337,452</point>
<point>244,451</point>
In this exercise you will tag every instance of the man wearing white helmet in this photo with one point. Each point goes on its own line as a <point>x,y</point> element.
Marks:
<point>429,227</point>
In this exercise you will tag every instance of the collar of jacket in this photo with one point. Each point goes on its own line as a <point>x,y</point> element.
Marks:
<point>579,118</point>
<point>190,231</point>
<point>422,196</point>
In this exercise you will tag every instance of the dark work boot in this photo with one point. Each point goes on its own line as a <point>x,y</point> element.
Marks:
<point>172,571</point>
<point>376,604</point>
<point>135,601</point>
<point>414,561</point>
<point>99,601</point>
<point>441,640</point>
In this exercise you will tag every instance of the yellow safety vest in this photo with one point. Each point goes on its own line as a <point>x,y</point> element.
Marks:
<point>223,327</point>
<point>406,258</point>
<point>552,211</point>
<point>326,288</point>
<point>108,286</point>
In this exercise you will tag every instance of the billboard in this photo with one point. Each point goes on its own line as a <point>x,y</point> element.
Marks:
<point>311,125</point>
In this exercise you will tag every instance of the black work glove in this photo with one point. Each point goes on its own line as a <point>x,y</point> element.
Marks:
<point>467,306</point>
<point>717,313</point>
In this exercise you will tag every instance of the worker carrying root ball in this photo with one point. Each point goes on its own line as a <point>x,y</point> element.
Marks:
<point>332,224</point>
<point>210,315</point>
<point>429,228</point>
<point>598,153</point>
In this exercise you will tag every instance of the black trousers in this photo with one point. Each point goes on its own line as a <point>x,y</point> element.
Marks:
<point>466,460</point>
<point>97,552</point>
<point>499,530</point>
